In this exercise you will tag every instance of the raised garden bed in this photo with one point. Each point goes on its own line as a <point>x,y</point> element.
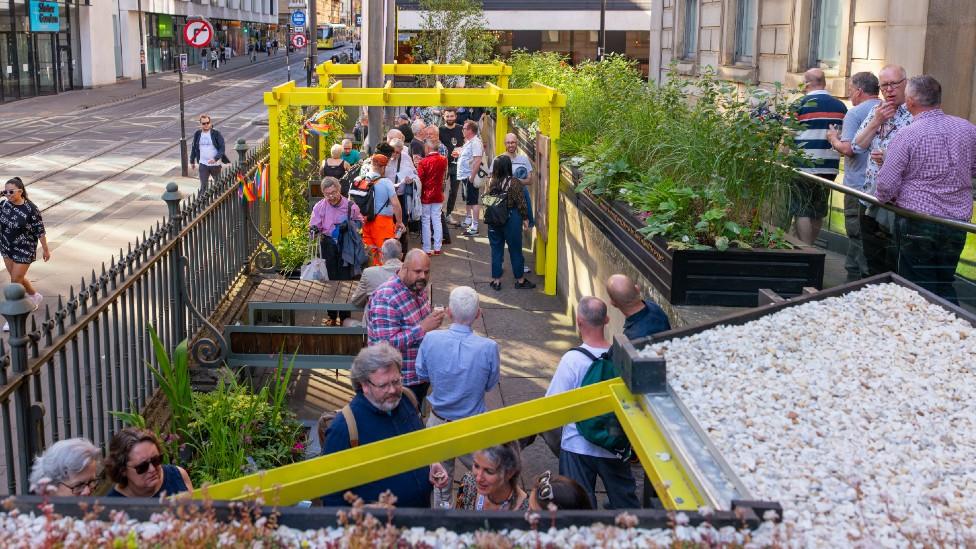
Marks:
<point>730,278</point>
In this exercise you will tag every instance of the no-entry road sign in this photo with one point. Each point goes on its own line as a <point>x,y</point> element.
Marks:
<point>299,41</point>
<point>198,33</point>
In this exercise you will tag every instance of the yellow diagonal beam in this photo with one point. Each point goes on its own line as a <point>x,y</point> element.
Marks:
<point>669,478</point>
<point>349,468</point>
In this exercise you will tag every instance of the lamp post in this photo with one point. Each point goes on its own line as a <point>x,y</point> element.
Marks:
<point>602,49</point>
<point>142,47</point>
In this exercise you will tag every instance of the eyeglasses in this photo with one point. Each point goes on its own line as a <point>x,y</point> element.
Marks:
<point>398,382</point>
<point>79,488</point>
<point>890,85</point>
<point>155,461</point>
<point>544,488</point>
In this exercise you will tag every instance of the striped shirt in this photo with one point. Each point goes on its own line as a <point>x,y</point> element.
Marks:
<point>929,166</point>
<point>817,111</point>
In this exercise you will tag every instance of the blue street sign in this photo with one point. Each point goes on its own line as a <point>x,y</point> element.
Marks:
<point>298,18</point>
<point>45,16</point>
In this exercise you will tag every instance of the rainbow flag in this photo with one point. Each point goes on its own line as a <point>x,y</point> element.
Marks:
<point>257,181</point>
<point>246,188</point>
<point>266,181</point>
<point>318,129</point>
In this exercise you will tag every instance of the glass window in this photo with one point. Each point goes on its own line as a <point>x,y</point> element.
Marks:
<point>825,34</point>
<point>691,28</point>
<point>745,30</point>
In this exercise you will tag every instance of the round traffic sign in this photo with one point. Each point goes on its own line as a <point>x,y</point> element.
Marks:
<point>198,33</point>
<point>299,41</point>
<point>298,18</point>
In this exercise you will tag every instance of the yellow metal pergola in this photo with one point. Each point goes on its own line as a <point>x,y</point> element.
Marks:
<point>548,100</point>
<point>310,479</point>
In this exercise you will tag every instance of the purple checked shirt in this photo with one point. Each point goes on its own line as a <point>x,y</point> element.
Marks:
<point>394,315</point>
<point>929,166</point>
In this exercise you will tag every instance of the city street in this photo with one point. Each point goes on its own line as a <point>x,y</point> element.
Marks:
<point>97,173</point>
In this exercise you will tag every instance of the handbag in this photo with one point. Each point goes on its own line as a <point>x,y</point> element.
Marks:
<point>479,179</point>
<point>316,269</point>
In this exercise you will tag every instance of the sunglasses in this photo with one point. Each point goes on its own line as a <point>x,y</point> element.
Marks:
<point>155,461</point>
<point>543,487</point>
<point>205,123</point>
<point>10,192</point>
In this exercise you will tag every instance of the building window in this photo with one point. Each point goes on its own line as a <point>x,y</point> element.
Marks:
<point>691,29</point>
<point>825,34</point>
<point>745,31</point>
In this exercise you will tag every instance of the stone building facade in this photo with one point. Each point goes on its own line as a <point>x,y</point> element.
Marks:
<point>760,42</point>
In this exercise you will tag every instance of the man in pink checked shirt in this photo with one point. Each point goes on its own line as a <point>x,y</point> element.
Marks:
<point>928,168</point>
<point>400,314</point>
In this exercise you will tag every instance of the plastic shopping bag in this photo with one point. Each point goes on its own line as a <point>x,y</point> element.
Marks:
<point>315,270</point>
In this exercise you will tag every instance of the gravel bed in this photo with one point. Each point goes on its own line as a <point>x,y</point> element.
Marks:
<point>857,413</point>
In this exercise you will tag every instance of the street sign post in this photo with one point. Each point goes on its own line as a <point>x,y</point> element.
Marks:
<point>183,159</point>
<point>198,33</point>
<point>299,41</point>
<point>298,18</point>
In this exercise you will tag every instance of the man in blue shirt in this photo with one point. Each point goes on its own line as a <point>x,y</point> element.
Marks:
<point>380,412</point>
<point>863,92</point>
<point>460,365</point>
<point>643,318</point>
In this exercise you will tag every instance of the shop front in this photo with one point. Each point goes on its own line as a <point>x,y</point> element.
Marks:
<point>38,48</point>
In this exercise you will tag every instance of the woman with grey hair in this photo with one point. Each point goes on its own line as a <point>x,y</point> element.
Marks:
<point>68,468</point>
<point>493,483</point>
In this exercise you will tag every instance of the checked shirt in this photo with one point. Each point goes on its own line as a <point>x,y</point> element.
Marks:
<point>394,316</point>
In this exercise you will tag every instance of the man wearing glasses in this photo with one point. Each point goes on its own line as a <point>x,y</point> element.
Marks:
<point>877,130</point>
<point>208,149</point>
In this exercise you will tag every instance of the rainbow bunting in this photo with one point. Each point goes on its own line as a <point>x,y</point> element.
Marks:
<point>257,180</point>
<point>246,189</point>
<point>266,179</point>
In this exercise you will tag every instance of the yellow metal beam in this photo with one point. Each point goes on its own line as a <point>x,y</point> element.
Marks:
<point>670,480</point>
<point>459,69</point>
<point>274,197</point>
<point>552,216</point>
<point>343,470</point>
<point>389,96</point>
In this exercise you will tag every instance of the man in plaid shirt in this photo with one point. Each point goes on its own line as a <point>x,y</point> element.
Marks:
<point>400,314</point>
<point>928,168</point>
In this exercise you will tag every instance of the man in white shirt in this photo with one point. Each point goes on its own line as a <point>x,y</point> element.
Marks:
<point>208,148</point>
<point>469,162</point>
<point>580,459</point>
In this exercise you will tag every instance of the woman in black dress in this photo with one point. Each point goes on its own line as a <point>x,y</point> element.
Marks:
<point>21,228</point>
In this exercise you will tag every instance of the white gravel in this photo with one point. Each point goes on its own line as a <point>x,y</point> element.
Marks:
<point>857,413</point>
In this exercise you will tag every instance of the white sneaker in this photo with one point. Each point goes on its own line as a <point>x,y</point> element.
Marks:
<point>6,326</point>
<point>36,299</point>
<point>526,270</point>
<point>466,222</point>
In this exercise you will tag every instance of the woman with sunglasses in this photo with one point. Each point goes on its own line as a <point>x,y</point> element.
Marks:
<point>563,492</point>
<point>493,483</point>
<point>21,228</point>
<point>69,467</point>
<point>135,464</point>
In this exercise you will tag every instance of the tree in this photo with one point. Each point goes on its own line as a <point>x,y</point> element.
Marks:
<point>452,31</point>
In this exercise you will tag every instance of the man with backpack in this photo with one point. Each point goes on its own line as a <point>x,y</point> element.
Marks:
<point>377,200</point>
<point>381,409</point>
<point>580,458</point>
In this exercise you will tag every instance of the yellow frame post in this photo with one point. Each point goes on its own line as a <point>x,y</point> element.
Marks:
<point>316,477</point>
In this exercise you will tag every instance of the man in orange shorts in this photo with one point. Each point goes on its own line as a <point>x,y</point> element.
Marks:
<point>388,221</point>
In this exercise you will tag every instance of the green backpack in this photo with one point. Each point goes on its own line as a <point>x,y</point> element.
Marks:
<point>605,431</point>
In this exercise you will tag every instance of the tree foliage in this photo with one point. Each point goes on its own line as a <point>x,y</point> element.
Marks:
<point>452,31</point>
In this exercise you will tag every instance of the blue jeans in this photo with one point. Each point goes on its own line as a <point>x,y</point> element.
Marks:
<point>615,473</point>
<point>528,204</point>
<point>510,233</point>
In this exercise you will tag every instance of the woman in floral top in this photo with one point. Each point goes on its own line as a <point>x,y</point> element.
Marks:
<point>493,483</point>
<point>21,228</point>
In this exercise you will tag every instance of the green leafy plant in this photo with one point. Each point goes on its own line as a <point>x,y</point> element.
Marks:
<point>452,31</point>
<point>173,376</point>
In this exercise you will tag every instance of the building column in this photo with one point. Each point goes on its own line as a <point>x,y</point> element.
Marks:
<point>97,44</point>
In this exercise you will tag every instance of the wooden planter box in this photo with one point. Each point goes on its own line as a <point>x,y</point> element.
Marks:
<point>731,278</point>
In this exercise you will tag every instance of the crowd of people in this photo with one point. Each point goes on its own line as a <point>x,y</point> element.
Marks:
<point>899,146</point>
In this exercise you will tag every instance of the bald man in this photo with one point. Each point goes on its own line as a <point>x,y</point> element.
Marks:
<point>817,111</point>
<point>642,318</point>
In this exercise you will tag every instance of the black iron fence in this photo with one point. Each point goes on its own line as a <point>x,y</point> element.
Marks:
<point>63,371</point>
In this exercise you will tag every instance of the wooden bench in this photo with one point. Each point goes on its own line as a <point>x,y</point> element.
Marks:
<point>258,343</point>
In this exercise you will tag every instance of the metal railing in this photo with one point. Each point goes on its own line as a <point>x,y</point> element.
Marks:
<point>66,370</point>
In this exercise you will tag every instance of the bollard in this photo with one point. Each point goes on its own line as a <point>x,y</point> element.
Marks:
<point>15,309</point>
<point>241,149</point>
<point>172,197</point>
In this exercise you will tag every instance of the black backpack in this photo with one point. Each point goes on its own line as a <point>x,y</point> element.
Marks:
<point>604,430</point>
<point>362,192</point>
<point>495,202</point>
<point>346,181</point>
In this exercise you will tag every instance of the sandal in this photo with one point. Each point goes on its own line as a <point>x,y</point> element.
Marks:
<point>496,284</point>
